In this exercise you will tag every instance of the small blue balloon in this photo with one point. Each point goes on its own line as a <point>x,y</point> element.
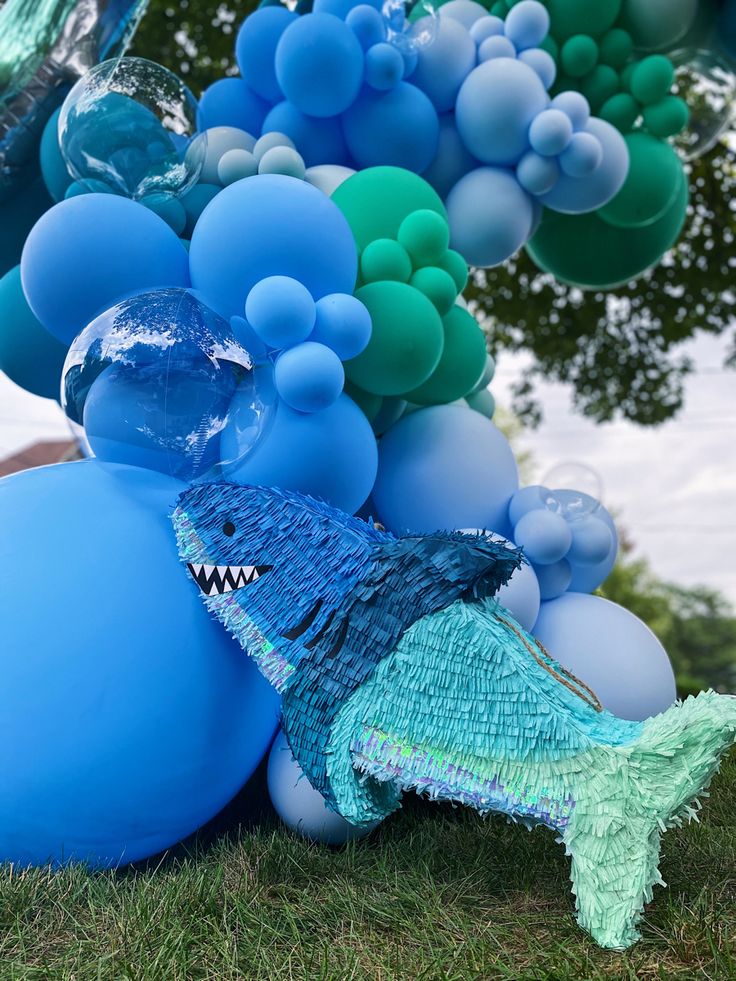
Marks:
<point>542,63</point>
<point>231,102</point>
<point>452,161</point>
<point>466,12</point>
<point>525,500</point>
<point>53,168</point>
<point>270,141</point>
<point>282,160</point>
<point>527,24</point>
<point>496,46</point>
<point>592,541</point>
<point>343,324</point>
<point>553,579</point>
<point>536,174</point>
<point>583,156</point>
<point>486,27</point>
<point>255,49</point>
<point>384,66</point>
<point>574,196</point>
<point>550,133</point>
<point>443,65</point>
<point>490,215</point>
<point>309,377</point>
<point>586,578</point>
<point>87,252</point>
<point>236,165</point>
<point>574,105</point>
<point>342,8</point>
<point>544,536</point>
<point>281,311</point>
<point>319,64</point>
<point>317,140</point>
<point>330,455</point>
<point>367,24</point>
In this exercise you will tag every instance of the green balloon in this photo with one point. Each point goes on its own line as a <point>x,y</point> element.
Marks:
<point>652,79</point>
<point>406,342</point>
<point>425,235</point>
<point>482,402</point>
<point>602,83</point>
<point>616,47</point>
<point>453,263</point>
<point>438,286</point>
<point>377,200</point>
<point>667,118</point>
<point>621,110</point>
<point>368,403</point>
<point>652,184</point>
<point>579,55</point>
<point>462,364</point>
<point>658,24</point>
<point>586,251</point>
<point>594,17</point>
<point>385,259</point>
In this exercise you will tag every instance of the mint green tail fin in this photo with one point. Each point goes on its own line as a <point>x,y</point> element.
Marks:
<point>640,791</point>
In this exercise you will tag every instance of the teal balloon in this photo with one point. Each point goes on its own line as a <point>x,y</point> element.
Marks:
<point>18,215</point>
<point>53,168</point>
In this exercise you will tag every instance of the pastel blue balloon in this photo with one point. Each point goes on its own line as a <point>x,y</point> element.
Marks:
<point>399,128</point>
<point>490,215</point>
<point>537,174</point>
<point>525,500</point>
<point>53,168</point>
<point>553,579</point>
<point>331,455</point>
<point>282,160</point>
<point>486,27</point>
<point>236,165</point>
<point>452,161</point>
<point>521,597</point>
<point>319,64</point>
<point>270,141</point>
<point>309,377</point>
<point>220,140</point>
<point>495,108</point>
<point>87,252</point>
<point>343,324</point>
<point>443,65</point>
<point>574,196</point>
<point>367,24</point>
<point>270,226</point>
<point>527,24</point>
<point>29,355</point>
<point>281,311</point>
<point>542,63</point>
<point>550,133</point>
<point>496,46</point>
<point>586,578</point>
<point>574,105</point>
<point>131,751</point>
<point>544,536</point>
<point>300,806</point>
<point>255,49</point>
<point>612,651</point>
<point>317,140</point>
<point>384,66</point>
<point>583,156</point>
<point>592,541</point>
<point>231,102</point>
<point>466,12</point>
<point>444,467</point>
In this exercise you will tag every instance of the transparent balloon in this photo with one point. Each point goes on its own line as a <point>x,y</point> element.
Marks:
<point>576,490</point>
<point>132,125</point>
<point>411,24</point>
<point>158,379</point>
<point>708,85</point>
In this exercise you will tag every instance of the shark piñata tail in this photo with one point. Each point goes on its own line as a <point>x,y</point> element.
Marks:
<point>399,671</point>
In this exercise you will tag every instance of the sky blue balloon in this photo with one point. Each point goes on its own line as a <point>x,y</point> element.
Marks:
<point>399,128</point>
<point>577,195</point>
<point>495,108</point>
<point>545,536</point>
<point>281,311</point>
<point>88,252</point>
<point>384,66</point>
<point>443,65</point>
<point>592,541</point>
<point>341,8</point>
<point>491,216</point>
<point>521,596</point>
<point>29,355</point>
<point>612,651</point>
<point>343,324</point>
<point>255,49</point>
<point>527,499</point>
<point>329,455</point>
<point>135,714</point>
<point>317,140</point>
<point>53,168</point>
<point>586,577</point>
<point>445,467</point>
<point>527,24</point>
<point>220,140</point>
<point>319,64</point>
<point>270,226</point>
<point>554,579</point>
<point>467,12</point>
<point>309,377</point>
<point>367,23</point>
<point>232,102</point>
<point>452,160</point>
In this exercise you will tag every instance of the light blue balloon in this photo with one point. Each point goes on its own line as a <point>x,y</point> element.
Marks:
<point>491,216</point>
<point>537,174</point>
<point>342,8</point>
<point>131,751</point>
<point>300,806</point>
<point>443,65</point>
<point>53,168</point>
<point>486,27</point>
<point>496,46</point>
<point>87,252</point>
<point>576,195</point>
<point>553,579</point>
<point>586,578</point>
<point>236,165</point>
<point>544,536</point>
<point>452,160</point>
<point>542,63</point>
<point>574,105</point>
<point>309,377</point>
<point>525,500</point>
<point>521,596</point>
<point>384,66</point>
<point>270,226</point>
<point>330,455</point>
<point>550,133</point>
<point>444,467</point>
<point>612,651</point>
<point>29,355</point>
<point>343,324</point>
<point>255,49</point>
<point>220,140</point>
<point>527,24</point>
<point>466,12</point>
<point>231,102</point>
<point>583,156</point>
<point>317,140</point>
<point>281,311</point>
<point>282,160</point>
<point>399,128</point>
<point>592,541</point>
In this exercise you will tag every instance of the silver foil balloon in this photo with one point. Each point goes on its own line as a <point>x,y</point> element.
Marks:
<point>45,46</point>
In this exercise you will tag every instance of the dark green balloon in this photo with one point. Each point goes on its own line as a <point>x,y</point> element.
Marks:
<point>592,17</point>
<point>652,184</point>
<point>368,403</point>
<point>462,363</point>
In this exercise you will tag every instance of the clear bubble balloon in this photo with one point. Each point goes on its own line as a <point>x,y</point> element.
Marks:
<point>156,381</point>
<point>583,490</point>
<point>706,81</point>
<point>131,125</point>
<point>411,24</point>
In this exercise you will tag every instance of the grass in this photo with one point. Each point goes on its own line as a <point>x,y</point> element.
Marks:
<point>433,894</point>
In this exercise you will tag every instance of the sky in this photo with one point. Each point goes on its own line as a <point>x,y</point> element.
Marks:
<point>673,488</point>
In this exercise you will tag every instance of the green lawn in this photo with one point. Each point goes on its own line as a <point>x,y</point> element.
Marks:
<point>434,893</point>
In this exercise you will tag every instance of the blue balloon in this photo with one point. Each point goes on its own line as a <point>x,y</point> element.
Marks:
<point>281,311</point>
<point>319,64</point>
<point>367,24</point>
<point>300,806</point>
<point>576,195</point>
<point>612,651</point>
<point>384,66</point>
<point>255,49</point>
<point>544,536</point>
<point>443,65</point>
<point>527,24</point>
<point>29,355</point>
<point>586,578</point>
<point>232,102</point>
<point>343,324</point>
<point>330,455</point>
<point>399,128</point>
<point>110,759</point>
<point>88,252</point>
<point>491,216</point>
<point>592,541</point>
<point>452,161</point>
<point>444,467</point>
<point>537,174</point>
<point>466,12</point>
<point>583,156</point>
<point>542,63</point>
<point>309,377</point>
<point>521,596</point>
<point>317,140</point>
<point>554,579</point>
<point>551,132</point>
<point>495,108</point>
<point>220,140</point>
<point>525,500</point>
<point>342,8</point>
<point>53,168</point>
<point>270,226</point>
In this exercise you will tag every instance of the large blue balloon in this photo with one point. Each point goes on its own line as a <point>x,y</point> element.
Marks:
<point>129,717</point>
<point>270,225</point>
<point>91,250</point>
<point>452,160</point>
<point>611,650</point>
<point>29,355</point>
<point>231,102</point>
<point>443,65</point>
<point>330,455</point>
<point>317,140</point>
<point>445,467</point>
<point>255,49</point>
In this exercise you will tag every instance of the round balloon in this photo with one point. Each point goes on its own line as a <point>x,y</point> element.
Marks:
<point>461,364</point>
<point>399,128</point>
<point>231,102</point>
<point>55,175</point>
<point>133,751</point>
<point>611,650</point>
<point>319,141</point>
<point>255,49</point>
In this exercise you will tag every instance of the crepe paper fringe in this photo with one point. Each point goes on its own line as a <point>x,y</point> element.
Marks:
<point>402,674</point>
